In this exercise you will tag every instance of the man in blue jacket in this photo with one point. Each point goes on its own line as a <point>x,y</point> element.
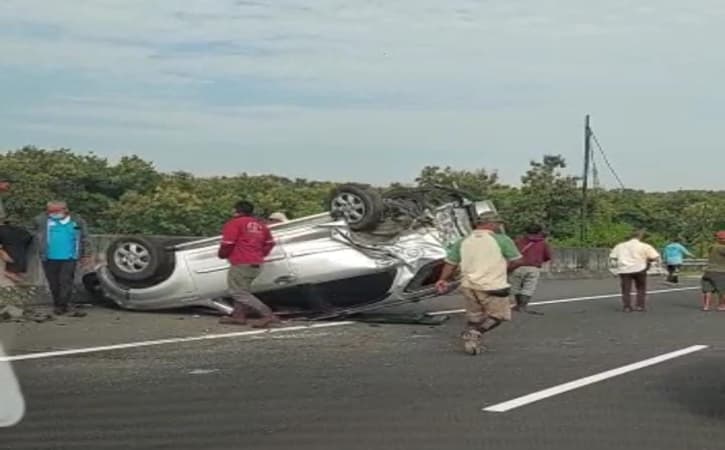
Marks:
<point>63,242</point>
<point>673,256</point>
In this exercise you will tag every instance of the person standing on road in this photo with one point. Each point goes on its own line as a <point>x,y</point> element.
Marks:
<point>525,272</point>
<point>631,261</point>
<point>713,280</point>
<point>673,256</point>
<point>246,241</point>
<point>483,258</point>
<point>14,247</point>
<point>63,242</point>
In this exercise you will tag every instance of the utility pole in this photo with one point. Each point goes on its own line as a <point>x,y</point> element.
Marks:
<point>585,181</point>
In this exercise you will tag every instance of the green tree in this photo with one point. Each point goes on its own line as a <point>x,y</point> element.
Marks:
<point>549,197</point>
<point>478,182</point>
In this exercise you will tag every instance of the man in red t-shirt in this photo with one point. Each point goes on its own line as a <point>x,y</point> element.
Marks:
<point>246,241</point>
<point>524,276</point>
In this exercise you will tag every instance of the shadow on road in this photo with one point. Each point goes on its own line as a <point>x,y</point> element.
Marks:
<point>699,387</point>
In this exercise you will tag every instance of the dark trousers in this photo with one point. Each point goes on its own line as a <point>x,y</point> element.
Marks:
<point>61,277</point>
<point>672,273</point>
<point>639,280</point>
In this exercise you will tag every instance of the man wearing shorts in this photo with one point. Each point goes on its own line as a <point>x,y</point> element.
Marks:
<point>483,259</point>
<point>673,255</point>
<point>713,281</point>
<point>525,273</point>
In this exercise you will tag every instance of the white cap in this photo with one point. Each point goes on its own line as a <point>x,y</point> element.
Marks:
<point>278,216</point>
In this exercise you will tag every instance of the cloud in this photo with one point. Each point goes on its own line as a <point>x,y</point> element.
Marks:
<point>459,77</point>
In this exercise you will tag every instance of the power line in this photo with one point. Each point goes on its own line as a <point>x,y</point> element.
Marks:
<point>606,161</point>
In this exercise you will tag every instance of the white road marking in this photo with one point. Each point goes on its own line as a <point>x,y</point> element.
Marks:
<point>105,348</point>
<point>560,389</point>
<point>78,351</point>
<point>203,371</point>
<point>571,300</point>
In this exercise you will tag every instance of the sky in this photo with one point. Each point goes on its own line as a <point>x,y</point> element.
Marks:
<point>371,91</point>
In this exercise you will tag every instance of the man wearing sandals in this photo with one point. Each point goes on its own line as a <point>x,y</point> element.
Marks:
<point>483,258</point>
<point>713,281</point>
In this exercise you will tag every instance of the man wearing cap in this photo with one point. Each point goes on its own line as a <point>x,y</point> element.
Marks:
<point>277,217</point>
<point>483,258</point>
<point>63,242</point>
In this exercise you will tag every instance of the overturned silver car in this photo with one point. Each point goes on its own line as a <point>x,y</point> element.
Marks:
<point>370,250</point>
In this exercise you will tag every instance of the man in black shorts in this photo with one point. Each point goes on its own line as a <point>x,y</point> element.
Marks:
<point>713,281</point>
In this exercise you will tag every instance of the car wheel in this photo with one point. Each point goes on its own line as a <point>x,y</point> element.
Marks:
<point>361,208</point>
<point>134,258</point>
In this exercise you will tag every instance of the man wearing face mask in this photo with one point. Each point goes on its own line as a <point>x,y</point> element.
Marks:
<point>63,242</point>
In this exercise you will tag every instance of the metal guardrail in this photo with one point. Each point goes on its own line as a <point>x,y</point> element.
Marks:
<point>695,262</point>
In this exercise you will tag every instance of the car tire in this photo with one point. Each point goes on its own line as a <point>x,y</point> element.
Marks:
<point>134,258</point>
<point>361,208</point>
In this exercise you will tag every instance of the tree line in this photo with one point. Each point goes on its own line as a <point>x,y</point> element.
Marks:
<point>131,196</point>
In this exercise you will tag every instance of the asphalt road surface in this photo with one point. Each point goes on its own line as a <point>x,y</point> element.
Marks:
<point>361,386</point>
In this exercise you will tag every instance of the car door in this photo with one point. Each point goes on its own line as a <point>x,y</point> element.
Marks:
<point>209,272</point>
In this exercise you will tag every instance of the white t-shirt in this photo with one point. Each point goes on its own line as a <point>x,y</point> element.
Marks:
<point>632,256</point>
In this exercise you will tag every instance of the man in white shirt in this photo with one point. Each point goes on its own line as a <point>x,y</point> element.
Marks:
<point>631,260</point>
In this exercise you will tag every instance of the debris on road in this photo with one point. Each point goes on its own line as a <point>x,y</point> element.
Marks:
<point>16,314</point>
<point>40,317</point>
<point>11,312</point>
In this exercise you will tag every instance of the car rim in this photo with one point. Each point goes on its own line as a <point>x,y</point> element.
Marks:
<point>131,257</point>
<point>351,206</point>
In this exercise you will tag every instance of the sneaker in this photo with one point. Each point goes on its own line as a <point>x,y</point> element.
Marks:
<point>60,310</point>
<point>627,309</point>
<point>640,309</point>
<point>471,342</point>
<point>78,313</point>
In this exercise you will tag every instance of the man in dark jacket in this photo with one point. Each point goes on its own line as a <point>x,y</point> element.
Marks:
<point>525,273</point>
<point>14,246</point>
<point>63,243</point>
